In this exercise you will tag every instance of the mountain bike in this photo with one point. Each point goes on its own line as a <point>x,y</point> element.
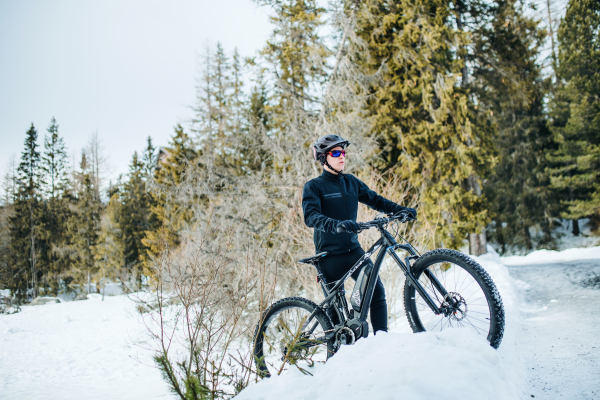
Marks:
<point>443,289</point>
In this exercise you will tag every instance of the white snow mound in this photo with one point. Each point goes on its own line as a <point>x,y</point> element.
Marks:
<point>552,256</point>
<point>453,364</point>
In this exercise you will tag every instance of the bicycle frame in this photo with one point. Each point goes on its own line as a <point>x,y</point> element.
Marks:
<point>387,245</point>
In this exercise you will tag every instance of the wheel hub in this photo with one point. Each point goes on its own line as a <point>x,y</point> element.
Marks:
<point>454,306</point>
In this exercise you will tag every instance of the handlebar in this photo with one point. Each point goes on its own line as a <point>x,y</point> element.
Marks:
<point>401,217</point>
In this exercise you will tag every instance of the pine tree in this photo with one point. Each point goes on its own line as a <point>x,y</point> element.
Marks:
<point>26,247</point>
<point>236,98</point>
<point>54,164</point>
<point>135,217</point>
<point>575,112</point>
<point>84,225</point>
<point>6,214</point>
<point>297,57</point>
<point>149,159</point>
<point>509,89</point>
<point>170,214</point>
<point>422,117</point>
<point>109,253</point>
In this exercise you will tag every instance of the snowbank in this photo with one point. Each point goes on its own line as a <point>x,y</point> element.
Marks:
<point>551,256</point>
<point>77,350</point>
<point>453,364</point>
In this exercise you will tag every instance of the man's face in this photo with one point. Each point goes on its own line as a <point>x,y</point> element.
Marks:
<point>337,163</point>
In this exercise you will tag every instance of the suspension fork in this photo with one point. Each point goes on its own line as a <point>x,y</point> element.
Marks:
<point>413,281</point>
<point>436,283</point>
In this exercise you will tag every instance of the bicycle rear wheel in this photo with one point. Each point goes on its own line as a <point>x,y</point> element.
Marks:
<point>468,296</point>
<point>287,336</point>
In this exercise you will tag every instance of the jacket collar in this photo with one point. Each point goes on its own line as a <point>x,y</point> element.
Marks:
<point>328,176</point>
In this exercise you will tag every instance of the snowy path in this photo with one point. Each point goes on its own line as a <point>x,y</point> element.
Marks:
<point>560,338</point>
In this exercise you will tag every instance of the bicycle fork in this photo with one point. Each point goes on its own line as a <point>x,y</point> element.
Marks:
<point>406,268</point>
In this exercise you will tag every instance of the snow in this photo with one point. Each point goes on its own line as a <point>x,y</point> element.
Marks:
<point>74,350</point>
<point>566,239</point>
<point>551,256</point>
<point>90,349</point>
<point>559,330</point>
<point>452,364</point>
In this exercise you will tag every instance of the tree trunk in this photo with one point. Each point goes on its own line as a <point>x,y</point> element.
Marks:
<point>477,243</point>
<point>576,227</point>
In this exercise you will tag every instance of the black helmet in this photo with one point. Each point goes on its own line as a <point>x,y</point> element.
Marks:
<point>326,143</point>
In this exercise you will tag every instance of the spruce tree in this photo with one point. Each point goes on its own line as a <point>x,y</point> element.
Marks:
<point>54,163</point>
<point>109,253</point>
<point>422,118</point>
<point>149,158</point>
<point>509,89</point>
<point>171,216</point>
<point>6,213</point>
<point>575,112</point>
<point>26,246</point>
<point>84,225</point>
<point>135,217</point>
<point>54,166</point>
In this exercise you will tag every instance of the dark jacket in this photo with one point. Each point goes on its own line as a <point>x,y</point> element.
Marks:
<point>332,198</point>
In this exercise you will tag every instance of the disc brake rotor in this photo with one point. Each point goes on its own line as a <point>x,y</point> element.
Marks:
<point>455,306</point>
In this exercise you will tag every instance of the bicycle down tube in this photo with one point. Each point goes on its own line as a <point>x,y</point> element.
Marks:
<point>390,245</point>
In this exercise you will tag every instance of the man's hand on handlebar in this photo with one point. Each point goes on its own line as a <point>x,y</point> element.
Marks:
<point>410,211</point>
<point>404,216</point>
<point>348,226</point>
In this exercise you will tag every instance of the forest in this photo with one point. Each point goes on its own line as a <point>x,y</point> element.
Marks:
<point>449,107</point>
<point>484,115</point>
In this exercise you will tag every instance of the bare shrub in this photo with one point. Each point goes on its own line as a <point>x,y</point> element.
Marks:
<point>201,313</point>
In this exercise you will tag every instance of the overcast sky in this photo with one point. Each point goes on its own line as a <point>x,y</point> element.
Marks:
<point>125,68</point>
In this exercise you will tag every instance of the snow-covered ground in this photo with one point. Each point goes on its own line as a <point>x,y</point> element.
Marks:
<point>77,350</point>
<point>86,349</point>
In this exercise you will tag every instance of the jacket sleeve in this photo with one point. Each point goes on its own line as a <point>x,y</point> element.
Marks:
<point>373,200</point>
<point>311,206</point>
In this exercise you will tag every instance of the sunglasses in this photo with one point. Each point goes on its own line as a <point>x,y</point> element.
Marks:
<point>337,153</point>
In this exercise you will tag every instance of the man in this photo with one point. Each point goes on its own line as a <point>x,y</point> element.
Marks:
<point>331,200</point>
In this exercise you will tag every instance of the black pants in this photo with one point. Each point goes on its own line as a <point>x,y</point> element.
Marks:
<point>335,266</point>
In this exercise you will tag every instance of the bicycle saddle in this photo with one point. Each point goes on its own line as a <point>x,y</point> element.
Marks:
<point>314,259</point>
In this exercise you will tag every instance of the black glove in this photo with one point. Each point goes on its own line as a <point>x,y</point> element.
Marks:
<point>411,211</point>
<point>347,226</point>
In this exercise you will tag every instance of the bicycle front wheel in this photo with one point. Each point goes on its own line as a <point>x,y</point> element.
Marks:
<point>462,289</point>
<point>292,333</point>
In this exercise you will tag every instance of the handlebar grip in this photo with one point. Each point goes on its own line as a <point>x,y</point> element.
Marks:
<point>341,229</point>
